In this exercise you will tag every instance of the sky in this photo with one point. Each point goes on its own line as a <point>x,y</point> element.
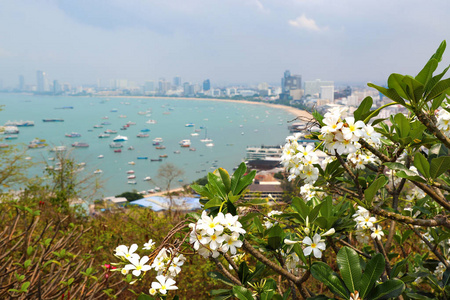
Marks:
<point>227,41</point>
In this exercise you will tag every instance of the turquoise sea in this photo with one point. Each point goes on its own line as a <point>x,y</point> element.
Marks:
<point>231,126</point>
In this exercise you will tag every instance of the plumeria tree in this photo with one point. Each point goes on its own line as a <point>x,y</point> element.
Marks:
<point>370,221</point>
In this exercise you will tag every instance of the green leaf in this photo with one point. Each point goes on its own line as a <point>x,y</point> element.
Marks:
<point>402,124</point>
<point>438,89</point>
<point>422,165</point>
<point>244,182</point>
<point>395,81</point>
<point>300,207</point>
<point>225,179</point>
<point>390,93</point>
<point>434,80</point>
<point>276,235</point>
<point>214,202</point>
<point>363,108</point>
<point>389,289</point>
<point>220,277</point>
<point>427,72</point>
<point>414,88</point>
<point>240,171</point>
<point>144,297</point>
<point>24,286</point>
<point>243,272</point>
<point>440,50</point>
<point>348,262</point>
<point>258,270</point>
<point>372,190</point>
<point>439,165</point>
<point>373,271</point>
<point>318,117</point>
<point>325,274</point>
<point>242,293</point>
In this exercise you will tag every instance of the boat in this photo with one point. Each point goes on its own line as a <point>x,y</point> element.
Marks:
<point>20,123</point>
<point>114,110</point>
<point>131,148</point>
<point>206,140</point>
<point>156,159</point>
<point>117,150</point>
<point>37,143</point>
<point>130,172</point>
<point>194,134</point>
<point>115,145</point>
<point>80,145</point>
<point>11,137</point>
<point>160,147</point>
<point>145,130</point>
<point>58,149</point>
<point>3,145</point>
<point>151,122</point>
<point>100,156</point>
<point>158,140</point>
<point>163,155</point>
<point>131,163</point>
<point>11,130</point>
<point>98,126</point>
<point>177,152</point>
<point>109,131</point>
<point>132,182</point>
<point>105,123</point>
<point>122,116</point>
<point>72,135</point>
<point>142,135</point>
<point>103,136</point>
<point>98,171</point>
<point>64,107</point>
<point>189,125</point>
<point>142,157</point>
<point>120,138</point>
<point>105,118</point>
<point>158,189</point>
<point>131,123</point>
<point>52,120</point>
<point>131,177</point>
<point>148,178</point>
<point>185,143</point>
<point>209,145</point>
<point>192,149</point>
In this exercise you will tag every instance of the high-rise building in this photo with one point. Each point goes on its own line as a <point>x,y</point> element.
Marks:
<point>291,82</point>
<point>42,82</point>
<point>57,88</point>
<point>327,93</point>
<point>312,88</point>
<point>149,86</point>
<point>21,83</point>
<point>206,85</point>
<point>177,81</point>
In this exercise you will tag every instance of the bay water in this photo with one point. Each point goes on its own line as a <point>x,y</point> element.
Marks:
<point>231,126</point>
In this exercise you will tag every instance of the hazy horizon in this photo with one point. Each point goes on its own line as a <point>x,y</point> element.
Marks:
<point>246,42</point>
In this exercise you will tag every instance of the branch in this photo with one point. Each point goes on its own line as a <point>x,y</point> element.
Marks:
<point>432,127</point>
<point>353,176</point>
<point>441,201</point>
<point>372,149</point>
<point>433,249</point>
<point>439,220</point>
<point>225,272</point>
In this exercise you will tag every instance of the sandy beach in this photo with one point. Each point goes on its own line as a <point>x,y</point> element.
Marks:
<point>292,110</point>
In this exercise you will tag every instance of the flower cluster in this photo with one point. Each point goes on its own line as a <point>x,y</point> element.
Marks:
<point>341,134</point>
<point>364,221</point>
<point>212,235</point>
<point>300,160</point>
<point>360,159</point>
<point>443,120</point>
<point>167,265</point>
<point>268,223</point>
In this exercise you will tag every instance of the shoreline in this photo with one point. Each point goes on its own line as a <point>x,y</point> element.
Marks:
<point>292,110</point>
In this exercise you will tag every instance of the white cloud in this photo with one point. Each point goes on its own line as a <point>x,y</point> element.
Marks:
<point>304,23</point>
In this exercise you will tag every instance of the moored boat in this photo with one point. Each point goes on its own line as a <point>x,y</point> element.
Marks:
<point>52,120</point>
<point>117,150</point>
<point>80,145</point>
<point>120,138</point>
<point>72,135</point>
<point>115,145</point>
<point>142,135</point>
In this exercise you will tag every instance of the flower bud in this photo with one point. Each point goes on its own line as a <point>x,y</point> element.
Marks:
<point>329,232</point>
<point>307,230</point>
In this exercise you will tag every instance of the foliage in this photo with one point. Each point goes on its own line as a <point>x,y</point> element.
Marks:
<point>131,196</point>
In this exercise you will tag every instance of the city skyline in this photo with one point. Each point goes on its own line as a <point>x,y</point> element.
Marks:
<point>237,42</point>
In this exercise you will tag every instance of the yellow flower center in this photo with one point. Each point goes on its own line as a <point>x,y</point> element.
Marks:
<point>313,245</point>
<point>138,268</point>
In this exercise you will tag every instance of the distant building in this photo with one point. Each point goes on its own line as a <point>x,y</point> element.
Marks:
<point>327,93</point>
<point>57,89</point>
<point>289,82</point>
<point>206,85</point>
<point>121,84</point>
<point>42,82</point>
<point>149,87</point>
<point>177,81</point>
<point>21,83</point>
<point>312,88</point>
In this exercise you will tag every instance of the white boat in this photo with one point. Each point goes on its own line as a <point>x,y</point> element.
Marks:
<point>189,125</point>
<point>185,143</point>
<point>194,134</point>
<point>209,145</point>
<point>120,138</point>
<point>206,140</point>
<point>132,182</point>
<point>98,171</point>
<point>151,122</point>
<point>58,149</point>
<point>100,156</point>
<point>115,145</point>
<point>148,178</point>
<point>130,172</point>
<point>131,163</point>
<point>131,177</point>
<point>158,140</point>
<point>103,135</point>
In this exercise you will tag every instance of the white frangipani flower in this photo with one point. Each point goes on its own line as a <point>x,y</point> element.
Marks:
<point>377,232</point>
<point>316,246</point>
<point>164,284</point>
<point>138,265</point>
<point>123,251</point>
